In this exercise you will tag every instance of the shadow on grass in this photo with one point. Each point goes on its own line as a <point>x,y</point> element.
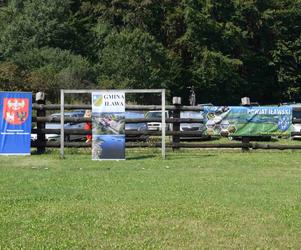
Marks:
<point>141,157</point>
<point>191,155</point>
<point>47,152</point>
<point>67,151</point>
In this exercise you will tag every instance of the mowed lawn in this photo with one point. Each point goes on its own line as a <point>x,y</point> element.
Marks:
<point>193,200</point>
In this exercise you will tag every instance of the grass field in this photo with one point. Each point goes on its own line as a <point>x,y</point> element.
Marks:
<point>193,200</point>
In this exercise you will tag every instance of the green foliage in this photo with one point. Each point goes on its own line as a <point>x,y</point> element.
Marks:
<point>133,59</point>
<point>38,23</point>
<point>226,49</point>
<point>10,77</point>
<point>286,53</point>
<point>216,76</point>
<point>49,70</point>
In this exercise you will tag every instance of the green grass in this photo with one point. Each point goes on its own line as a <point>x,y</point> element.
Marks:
<point>194,199</point>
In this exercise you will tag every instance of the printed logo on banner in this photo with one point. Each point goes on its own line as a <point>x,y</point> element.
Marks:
<point>284,123</point>
<point>108,101</point>
<point>15,110</point>
<point>98,100</point>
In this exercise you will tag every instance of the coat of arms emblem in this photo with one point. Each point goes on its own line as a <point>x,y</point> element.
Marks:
<point>15,110</point>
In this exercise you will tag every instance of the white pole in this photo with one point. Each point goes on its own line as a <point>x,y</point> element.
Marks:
<point>163,124</point>
<point>62,122</point>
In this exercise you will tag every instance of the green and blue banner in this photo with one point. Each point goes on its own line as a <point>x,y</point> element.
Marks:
<point>248,121</point>
<point>15,123</point>
<point>108,125</point>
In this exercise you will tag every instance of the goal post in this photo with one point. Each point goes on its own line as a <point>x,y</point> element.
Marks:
<point>129,91</point>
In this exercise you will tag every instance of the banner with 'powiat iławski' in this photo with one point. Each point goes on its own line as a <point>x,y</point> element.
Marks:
<point>108,125</point>
<point>248,121</point>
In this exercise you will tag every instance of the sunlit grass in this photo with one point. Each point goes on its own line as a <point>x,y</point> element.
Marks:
<point>195,199</point>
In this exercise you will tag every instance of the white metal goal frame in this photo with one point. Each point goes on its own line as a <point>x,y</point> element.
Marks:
<point>130,91</point>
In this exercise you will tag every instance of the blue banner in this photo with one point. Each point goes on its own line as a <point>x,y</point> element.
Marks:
<point>15,123</point>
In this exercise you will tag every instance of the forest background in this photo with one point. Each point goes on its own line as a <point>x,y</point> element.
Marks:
<point>225,49</point>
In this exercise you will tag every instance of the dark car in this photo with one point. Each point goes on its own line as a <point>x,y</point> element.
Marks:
<point>57,125</point>
<point>135,126</point>
<point>69,125</point>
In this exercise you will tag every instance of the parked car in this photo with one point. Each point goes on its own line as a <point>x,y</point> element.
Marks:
<point>192,126</point>
<point>296,127</point>
<point>33,137</point>
<point>198,127</point>
<point>56,137</point>
<point>156,126</point>
<point>135,126</point>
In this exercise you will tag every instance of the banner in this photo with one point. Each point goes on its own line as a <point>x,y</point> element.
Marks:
<point>248,121</point>
<point>108,125</point>
<point>15,123</point>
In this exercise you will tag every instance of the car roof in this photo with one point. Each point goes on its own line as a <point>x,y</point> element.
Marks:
<point>295,105</point>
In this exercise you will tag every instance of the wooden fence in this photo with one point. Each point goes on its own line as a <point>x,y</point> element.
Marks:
<point>41,119</point>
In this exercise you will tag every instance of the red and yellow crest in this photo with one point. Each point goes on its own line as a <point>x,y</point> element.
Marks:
<point>15,110</point>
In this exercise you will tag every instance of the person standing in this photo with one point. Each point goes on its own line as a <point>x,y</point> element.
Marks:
<point>88,125</point>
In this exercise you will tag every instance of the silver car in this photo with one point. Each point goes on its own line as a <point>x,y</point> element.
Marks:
<point>140,127</point>
<point>198,127</point>
<point>192,126</point>
<point>296,127</point>
<point>156,126</point>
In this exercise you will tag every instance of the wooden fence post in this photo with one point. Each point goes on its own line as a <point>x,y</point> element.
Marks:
<point>41,99</point>
<point>176,139</point>
<point>246,102</point>
<point>245,144</point>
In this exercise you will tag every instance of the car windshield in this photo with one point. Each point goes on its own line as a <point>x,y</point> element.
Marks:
<point>130,115</point>
<point>58,116</point>
<point>155,114</point>
<point>134,126</point>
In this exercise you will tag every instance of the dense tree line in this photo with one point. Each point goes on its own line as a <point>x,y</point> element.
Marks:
<point>225,49</point>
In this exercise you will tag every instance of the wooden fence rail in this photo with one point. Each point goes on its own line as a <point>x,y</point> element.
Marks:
<point>127,132</point>
<point>50,119</point>
<point>56,144</point>
<point>175,110</point>
<point>127,107</point>
<point>37,106</point>
<point>296,121</point>
<point>147,132</point>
